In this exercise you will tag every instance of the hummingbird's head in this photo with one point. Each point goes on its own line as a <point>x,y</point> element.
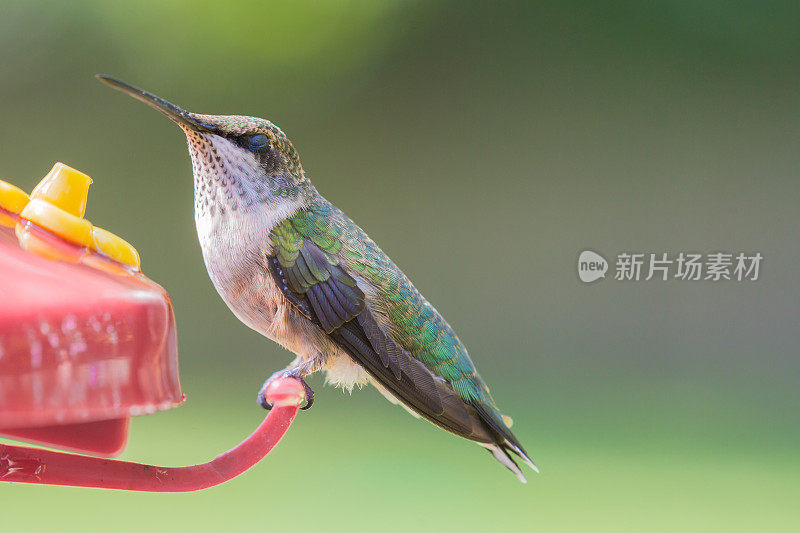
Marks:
<point>238,161</point>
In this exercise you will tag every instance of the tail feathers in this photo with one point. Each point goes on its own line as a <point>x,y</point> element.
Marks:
<point>506,443</point>
<point>522,455</point>
<point>505,459</point>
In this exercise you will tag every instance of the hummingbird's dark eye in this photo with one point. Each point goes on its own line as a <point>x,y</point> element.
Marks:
<point>258,141</point>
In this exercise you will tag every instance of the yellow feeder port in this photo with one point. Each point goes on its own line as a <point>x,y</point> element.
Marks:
<point>12,198</point>
<point>114,247</point>
<point>58,221</point>
<point>64,187</point>
<point>58,204</point>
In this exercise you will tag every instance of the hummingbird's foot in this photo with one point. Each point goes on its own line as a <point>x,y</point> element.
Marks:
<point>262,398</point>
<point>309,396</point>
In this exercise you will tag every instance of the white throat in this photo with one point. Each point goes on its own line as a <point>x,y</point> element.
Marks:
<point>234,210</point>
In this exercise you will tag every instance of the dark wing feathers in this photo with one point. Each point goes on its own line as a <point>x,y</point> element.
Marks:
<point>327,297</point>
<point>388,351</point>
<point>322,291</point>
<point>282,278</point>
<point>417,387</point>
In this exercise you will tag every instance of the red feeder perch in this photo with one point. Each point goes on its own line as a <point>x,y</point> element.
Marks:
<point>86,342</point>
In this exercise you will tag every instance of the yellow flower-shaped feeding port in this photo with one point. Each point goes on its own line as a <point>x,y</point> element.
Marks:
<point>58,204</point>
<point>54,219</point>
<point>115,247</point>
<point>13,200</point>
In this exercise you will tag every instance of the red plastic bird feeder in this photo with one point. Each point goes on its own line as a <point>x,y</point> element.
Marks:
<point>86,342</point>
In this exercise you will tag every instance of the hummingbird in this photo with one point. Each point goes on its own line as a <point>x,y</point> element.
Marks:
<point>293,267</point>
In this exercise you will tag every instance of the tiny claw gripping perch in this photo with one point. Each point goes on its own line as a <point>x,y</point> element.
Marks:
<point>44,467</point>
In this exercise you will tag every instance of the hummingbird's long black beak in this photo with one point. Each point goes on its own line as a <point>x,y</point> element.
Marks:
<point>180,116</point>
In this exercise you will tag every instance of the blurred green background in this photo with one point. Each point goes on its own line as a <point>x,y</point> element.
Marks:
<point>483,147</point>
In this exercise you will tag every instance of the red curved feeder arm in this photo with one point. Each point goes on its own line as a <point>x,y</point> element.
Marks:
<point>32,465</point>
